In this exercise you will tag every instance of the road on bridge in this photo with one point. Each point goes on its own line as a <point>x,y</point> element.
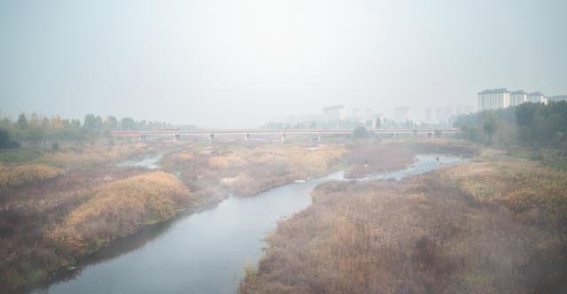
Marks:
<point>247,133</point>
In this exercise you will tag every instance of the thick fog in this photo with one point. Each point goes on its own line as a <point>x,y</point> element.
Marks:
<point>242,63</point>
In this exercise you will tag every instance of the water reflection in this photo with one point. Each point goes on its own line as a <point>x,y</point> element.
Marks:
<point>149,162</point>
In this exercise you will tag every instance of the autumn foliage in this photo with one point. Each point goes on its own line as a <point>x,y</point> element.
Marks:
<point>119,208</point>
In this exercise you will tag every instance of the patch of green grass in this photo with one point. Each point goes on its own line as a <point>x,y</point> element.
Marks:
<point>521,153</point>
<point>559,163</point>
<point>20,156</point>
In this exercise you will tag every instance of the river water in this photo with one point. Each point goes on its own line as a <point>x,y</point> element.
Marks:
<point>150,162</point>
<point>205,252</point>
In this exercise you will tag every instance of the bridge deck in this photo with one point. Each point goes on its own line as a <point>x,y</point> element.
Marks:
<point>276,132</point>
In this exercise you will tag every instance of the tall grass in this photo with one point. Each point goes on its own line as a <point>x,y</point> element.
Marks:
<point>26,174</point>
<point>368,157</point>
<point>119,208</point>
<point>247,171</point>
<point>464,229</point>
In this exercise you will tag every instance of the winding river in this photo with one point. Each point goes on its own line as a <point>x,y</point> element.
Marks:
<point>205,252</point>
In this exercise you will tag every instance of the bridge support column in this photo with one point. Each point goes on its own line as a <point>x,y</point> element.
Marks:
<point>319,137</point>
<point>246,137</point>
<point>142,137</point>
<point>211,137</point>
<point>283,137</point>
<point>394,135</point>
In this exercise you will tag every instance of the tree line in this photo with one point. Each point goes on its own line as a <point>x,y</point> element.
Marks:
<point>38,130</point>
<point>531,124</point>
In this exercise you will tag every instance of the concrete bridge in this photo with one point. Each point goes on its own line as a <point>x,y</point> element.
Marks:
<point>247,134</point>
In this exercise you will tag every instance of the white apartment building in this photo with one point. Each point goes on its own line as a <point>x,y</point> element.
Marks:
<point>501,98</point>
<point>537,97</point>
<point>493,99</point>
<point>518,97</point>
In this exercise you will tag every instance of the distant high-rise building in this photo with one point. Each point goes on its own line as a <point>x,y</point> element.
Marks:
<point>429,115</point>
<point>536,97</point>
<point>335,112</point>
<point>403,114</point>
<point>439,114</point>
<point>493,99</point>
<point>356,114</point>
<point>518,97</point>
<point>501,98</point>
<point>557,98</point>
<point>447,113</point>
<point>468,109</point>
<point>368,114</point>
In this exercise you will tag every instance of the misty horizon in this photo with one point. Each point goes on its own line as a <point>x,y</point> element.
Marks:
<point>240,64</point>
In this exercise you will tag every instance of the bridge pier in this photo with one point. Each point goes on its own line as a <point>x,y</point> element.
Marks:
<point>143,137</point>
<point>246,136</point>
<point>211,137</point>
<point>319,137</point>
<point>282,137</point>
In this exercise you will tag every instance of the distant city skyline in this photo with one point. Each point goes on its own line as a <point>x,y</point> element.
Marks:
<point>218,63</point>
<point>503,98</point>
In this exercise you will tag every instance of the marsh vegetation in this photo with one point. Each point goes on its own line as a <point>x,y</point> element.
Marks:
<point>495,225</point>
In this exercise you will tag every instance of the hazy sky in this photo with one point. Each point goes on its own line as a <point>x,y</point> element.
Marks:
<point>240,63</point>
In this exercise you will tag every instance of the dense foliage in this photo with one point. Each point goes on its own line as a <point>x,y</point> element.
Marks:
<point>38,130</point>
<point>533,124</point>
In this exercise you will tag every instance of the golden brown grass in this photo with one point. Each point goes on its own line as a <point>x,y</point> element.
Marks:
<point>72,201</point>
<point>119,208</point>
<point>464,229</point>
<point>539,194</point>
<point>26,174</point>
<point>222,169</point>
<point>369,157</point>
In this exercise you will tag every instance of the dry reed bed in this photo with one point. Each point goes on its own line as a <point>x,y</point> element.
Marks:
<point>213,173</point>
<point>369,157</point>
<point>55,210</point>
<point>26,173</point>
<point>120,208</point>
<point>475,228</point>
<point>50,232</point>
<point>461,148</point>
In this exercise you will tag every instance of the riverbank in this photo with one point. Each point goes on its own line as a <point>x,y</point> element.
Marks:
<point>42,191</point>
<point>494,225</point>
<point>214,172</point>
<point>60,207</point>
